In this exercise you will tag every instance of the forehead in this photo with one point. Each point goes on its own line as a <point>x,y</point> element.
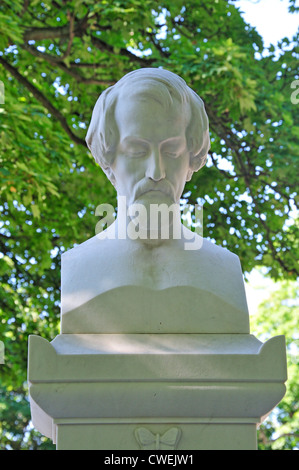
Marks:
<point>147,116</point>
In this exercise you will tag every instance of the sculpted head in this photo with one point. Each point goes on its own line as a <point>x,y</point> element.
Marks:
<point>149,132</point>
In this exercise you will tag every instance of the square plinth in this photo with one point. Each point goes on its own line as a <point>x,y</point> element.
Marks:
<point>190,387</point>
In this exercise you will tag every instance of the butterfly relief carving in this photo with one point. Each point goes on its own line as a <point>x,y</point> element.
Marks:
<point>149,441</point>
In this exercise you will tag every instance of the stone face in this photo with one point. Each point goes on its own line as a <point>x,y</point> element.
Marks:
<point>167,109</point>
<point>155,350</point>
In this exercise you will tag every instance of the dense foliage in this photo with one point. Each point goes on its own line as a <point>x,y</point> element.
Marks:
<point>279,315</point>
<point>56,57</point>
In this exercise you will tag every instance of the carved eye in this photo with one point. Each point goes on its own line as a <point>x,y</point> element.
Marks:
<point>137,153</point>
<point>135,150</point>
<point>170,154</point>
<point>173,147</point>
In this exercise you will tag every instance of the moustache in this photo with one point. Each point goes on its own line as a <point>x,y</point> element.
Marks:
<point>146,186</point>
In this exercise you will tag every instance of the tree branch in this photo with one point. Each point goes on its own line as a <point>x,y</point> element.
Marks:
<point>68,70</point>
<point>103,46</point>
<point>78,29</point>
<point>71,37</point>
<point>43,100</point>
<point>65,31</point>
<point>179,27</point>
<point>157,45</point>
<point>232,143</point>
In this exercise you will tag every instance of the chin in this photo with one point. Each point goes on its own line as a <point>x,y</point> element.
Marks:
<point>155,197</point>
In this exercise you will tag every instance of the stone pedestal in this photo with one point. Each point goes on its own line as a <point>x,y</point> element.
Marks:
<point>155,350</point>
<point>154,391</point>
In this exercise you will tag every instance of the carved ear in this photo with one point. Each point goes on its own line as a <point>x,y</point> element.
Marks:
<point>110,176</point>
<point>189,174</point>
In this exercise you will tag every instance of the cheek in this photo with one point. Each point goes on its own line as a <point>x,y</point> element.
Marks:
<point>180,178</point>
<point>178,170</point>
<point>179,187</point>
<point>127,173</point>
<point>124,165</point>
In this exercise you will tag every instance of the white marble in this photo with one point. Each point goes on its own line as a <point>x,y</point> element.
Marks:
<point>155,350</point>
<point>204,385</point>
<point>150,133</point>
<point>1,352</point>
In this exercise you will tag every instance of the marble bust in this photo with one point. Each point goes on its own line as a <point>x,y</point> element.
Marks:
<point>149,133</point>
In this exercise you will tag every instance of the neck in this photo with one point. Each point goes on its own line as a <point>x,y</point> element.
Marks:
<point>154,230</point>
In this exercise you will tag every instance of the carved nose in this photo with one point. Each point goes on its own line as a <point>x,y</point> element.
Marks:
<point>155,169</point>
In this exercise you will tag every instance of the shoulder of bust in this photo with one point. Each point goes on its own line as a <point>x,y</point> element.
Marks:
<point>217,250</point>
<point>89,246</point>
